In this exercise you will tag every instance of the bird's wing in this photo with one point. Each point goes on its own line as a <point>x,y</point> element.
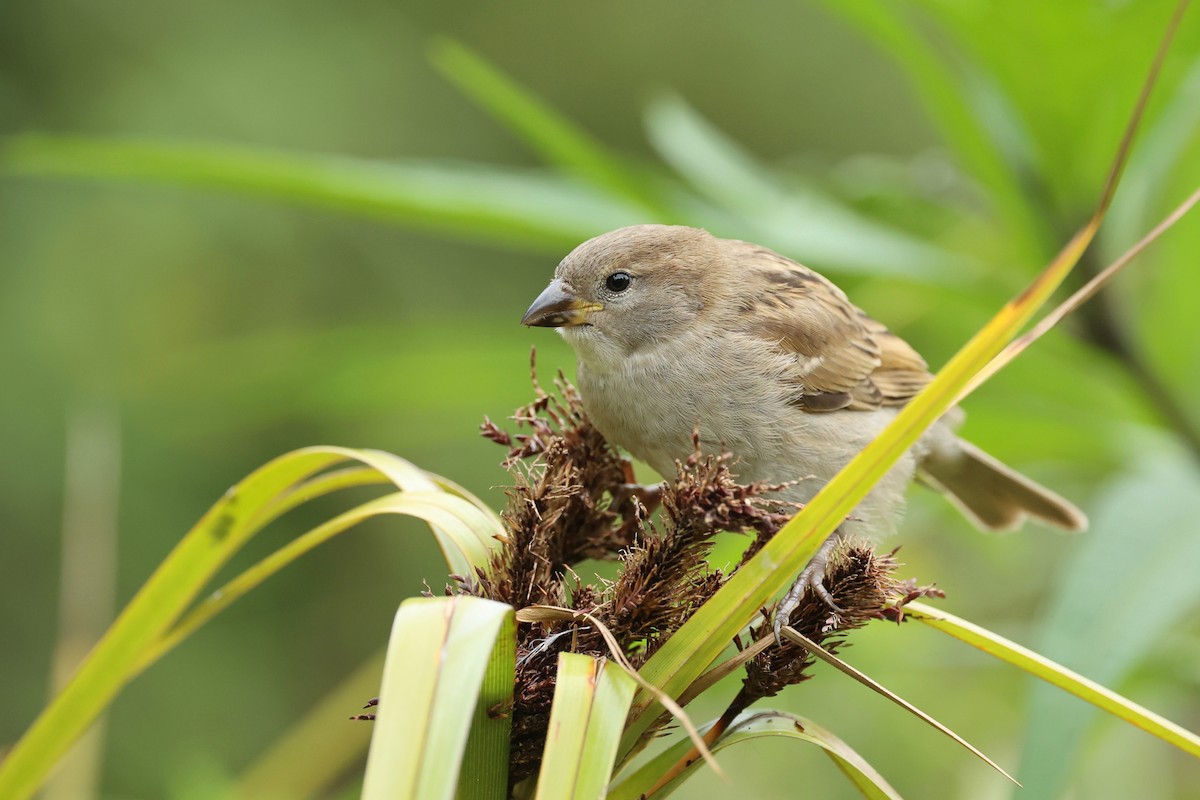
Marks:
<point>843,358</point>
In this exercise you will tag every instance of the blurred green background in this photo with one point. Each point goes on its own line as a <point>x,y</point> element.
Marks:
<point>339,212</point>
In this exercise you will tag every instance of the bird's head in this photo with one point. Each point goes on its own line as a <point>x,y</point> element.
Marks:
<point>629,289</point>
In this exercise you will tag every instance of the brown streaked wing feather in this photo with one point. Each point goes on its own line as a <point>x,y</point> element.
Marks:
<point>843,358</point>
<point>901,372</point>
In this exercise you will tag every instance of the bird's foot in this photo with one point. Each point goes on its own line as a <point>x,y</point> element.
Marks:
<point>811,579</point>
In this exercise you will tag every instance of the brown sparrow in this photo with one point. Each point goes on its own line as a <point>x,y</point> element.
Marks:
<point>676,329</point>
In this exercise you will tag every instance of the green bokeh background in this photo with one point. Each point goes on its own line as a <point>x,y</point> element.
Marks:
<point>207,331</point>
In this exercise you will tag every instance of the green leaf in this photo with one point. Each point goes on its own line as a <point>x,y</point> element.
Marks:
<point>151,623</point>
<point>1057,675</point>
<point>798,221</point>
<point>591,701</point>
<point>555,138</point>
<point>176,582</point>
<point>441,652</point>
<point>963,102</point>
<point>1132,582</point>
<point>748,726</point>
<point>508,206</point>
<point>463,532</point>
<point>486,759</point>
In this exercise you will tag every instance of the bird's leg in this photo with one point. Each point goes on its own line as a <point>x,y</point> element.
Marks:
<point>649,495</point>
<point>810,578</point>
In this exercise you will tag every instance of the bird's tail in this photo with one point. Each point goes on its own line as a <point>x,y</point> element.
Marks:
<point>995,496</point>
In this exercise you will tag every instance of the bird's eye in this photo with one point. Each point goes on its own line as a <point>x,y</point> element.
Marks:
<point>618,281</point>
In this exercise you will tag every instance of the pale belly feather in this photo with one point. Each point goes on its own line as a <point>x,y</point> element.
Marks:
<point>648,406</point>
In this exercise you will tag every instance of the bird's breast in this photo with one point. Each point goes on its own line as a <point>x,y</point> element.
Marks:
<point>738,397</point>
<point>651,402</point>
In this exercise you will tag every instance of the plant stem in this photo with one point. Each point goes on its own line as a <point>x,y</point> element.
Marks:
<point>1101,326</point>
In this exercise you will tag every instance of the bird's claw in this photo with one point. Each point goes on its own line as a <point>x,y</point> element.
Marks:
<point>811,579</point>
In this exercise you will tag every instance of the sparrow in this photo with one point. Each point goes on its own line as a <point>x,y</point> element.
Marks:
<point>676,330</point>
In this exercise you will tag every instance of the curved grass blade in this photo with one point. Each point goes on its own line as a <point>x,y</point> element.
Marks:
<point>445,484</point>
<point>702,638</point>
<point>176,582</point>
<point>459,526</point>
<point>954,105</point>
<point>790,219</point>
<point>1056,674</point>
<point>552,136</point>
<point>506,206</point>
<point>829,658</point>
<point>138,634</point>
<point>591,699</point>
<point>747,727</point>
<point>440,652</point>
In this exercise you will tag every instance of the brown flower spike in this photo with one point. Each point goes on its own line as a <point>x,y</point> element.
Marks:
<point>572,499</point>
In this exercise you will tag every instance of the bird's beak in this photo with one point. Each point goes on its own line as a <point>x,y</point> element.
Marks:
<point>557,307</point>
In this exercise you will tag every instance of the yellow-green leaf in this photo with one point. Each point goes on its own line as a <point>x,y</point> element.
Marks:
<point>747,727</point>
<point>591,700</point>
<point>439,653</point>
<point>1058,675</point>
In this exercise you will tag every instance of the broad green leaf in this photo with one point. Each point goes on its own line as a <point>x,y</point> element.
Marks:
<point>551,135</point>
<point>440,651</point>
<point>800,222</point>
<point>748,726</point>
<point>591,701</point>
<point>526,208</point>
<point>486,759</point>
<point>1143,539</point>
<point>951,95</point>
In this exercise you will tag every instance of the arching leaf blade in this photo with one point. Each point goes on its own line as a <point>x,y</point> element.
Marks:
<point>591,701</point>
<point>747,727</point>
<point>1056,674</point>
<point>440,651</point>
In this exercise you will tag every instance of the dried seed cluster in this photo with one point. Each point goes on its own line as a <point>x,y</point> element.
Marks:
<point>573,498</point>
<point>863,586</point>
